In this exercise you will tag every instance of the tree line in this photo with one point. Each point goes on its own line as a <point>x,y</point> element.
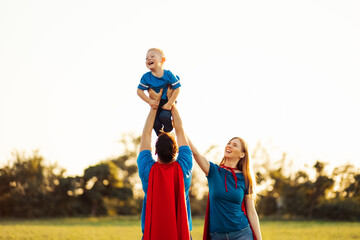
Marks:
<point>31,188</point>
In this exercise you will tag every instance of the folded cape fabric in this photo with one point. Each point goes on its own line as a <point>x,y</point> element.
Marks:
<point>166,216</point>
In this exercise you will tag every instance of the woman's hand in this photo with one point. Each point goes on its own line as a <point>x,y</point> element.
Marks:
<point>203,163</point>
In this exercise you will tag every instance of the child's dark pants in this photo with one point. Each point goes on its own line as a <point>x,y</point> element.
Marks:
<point>163,119</point>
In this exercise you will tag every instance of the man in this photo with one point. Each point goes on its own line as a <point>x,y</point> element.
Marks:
<point>166,208</point>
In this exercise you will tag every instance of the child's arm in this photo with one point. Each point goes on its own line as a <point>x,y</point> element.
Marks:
<point>153,103</point>
<point>171,101</point>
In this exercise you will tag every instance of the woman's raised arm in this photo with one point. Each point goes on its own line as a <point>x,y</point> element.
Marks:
<point>200,159</point>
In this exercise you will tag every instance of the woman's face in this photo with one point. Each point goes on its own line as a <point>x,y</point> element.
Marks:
<point>233,149</point>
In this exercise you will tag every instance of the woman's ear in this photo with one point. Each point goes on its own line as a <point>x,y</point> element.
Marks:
<point>242,155</point>
<point>163,59</point>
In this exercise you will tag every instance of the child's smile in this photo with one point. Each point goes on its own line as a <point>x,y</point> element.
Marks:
<point>150,62</point>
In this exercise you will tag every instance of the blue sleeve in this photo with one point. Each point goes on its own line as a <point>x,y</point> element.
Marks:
<point>143,85</point>
<point>213,167</point>
<point>174,80</point>
<point>185,160</point>
<point>145,162</point>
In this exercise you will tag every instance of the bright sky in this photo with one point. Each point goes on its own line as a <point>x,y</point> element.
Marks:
<point>282,72</point>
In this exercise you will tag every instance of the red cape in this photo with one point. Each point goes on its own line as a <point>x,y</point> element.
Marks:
<point>166,216</point>
<point>206,234</point>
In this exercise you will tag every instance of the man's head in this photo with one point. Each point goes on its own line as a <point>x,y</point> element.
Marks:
<point>166,148</point>
<point>155,58</point>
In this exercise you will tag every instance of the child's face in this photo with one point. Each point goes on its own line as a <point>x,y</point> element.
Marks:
<point>153,60</point>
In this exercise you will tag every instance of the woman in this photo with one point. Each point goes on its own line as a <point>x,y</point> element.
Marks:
<point>230,184</point>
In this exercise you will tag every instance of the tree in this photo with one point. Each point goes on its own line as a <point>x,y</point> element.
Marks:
<point>102,181</point>
<point>317,190</point>
<point>126,162</point>
<point>344,177</point>
<point>353,190</point>
<point>26,186</point>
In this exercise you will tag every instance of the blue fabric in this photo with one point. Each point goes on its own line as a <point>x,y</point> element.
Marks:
<point>243,234</point>
<point>226,214</point>
<point>148,80</point>
<point>145,162</point>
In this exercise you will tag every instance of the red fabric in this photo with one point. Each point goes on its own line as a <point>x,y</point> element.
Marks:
<point>233,173</point>
<point>206,234</point>
<point>166,216</point>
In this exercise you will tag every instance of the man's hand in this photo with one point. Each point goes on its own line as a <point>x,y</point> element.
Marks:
<point>154,95</point>
<point>154,98</point>
<point>167,106</point>
<point>169,92</point>
<point>153,103</point>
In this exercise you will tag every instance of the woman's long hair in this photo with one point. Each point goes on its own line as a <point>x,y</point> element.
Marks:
<point>244,166</point>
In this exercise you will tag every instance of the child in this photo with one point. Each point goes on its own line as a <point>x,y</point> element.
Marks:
<point>157,79</point>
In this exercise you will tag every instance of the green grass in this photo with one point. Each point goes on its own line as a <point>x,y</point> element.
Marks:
<point>129,228</point>
<point>303,230</point>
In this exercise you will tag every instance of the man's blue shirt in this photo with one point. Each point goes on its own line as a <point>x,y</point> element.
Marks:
<point>226,214</point>
<point>148,80</point>
<point>145,162</point>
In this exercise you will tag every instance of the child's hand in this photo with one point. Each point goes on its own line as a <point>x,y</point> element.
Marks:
<point>167,106</point>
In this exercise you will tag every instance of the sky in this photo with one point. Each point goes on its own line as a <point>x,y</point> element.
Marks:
<point>285,73</point>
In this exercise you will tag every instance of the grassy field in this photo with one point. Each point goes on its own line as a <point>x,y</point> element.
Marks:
<point>129,228</point>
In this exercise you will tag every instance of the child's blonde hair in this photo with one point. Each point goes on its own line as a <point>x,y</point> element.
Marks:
<point>158,50</point>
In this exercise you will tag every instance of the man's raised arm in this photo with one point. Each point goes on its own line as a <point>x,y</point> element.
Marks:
<point>145,143</point>
<point>178,126</point>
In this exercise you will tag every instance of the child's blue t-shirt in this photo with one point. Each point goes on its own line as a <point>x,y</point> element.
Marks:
<point>226,214</point>
<point>145,162</point>
<point>148,80</point>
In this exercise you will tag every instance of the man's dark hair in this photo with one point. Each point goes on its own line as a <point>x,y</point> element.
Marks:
<point>166,147</point>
